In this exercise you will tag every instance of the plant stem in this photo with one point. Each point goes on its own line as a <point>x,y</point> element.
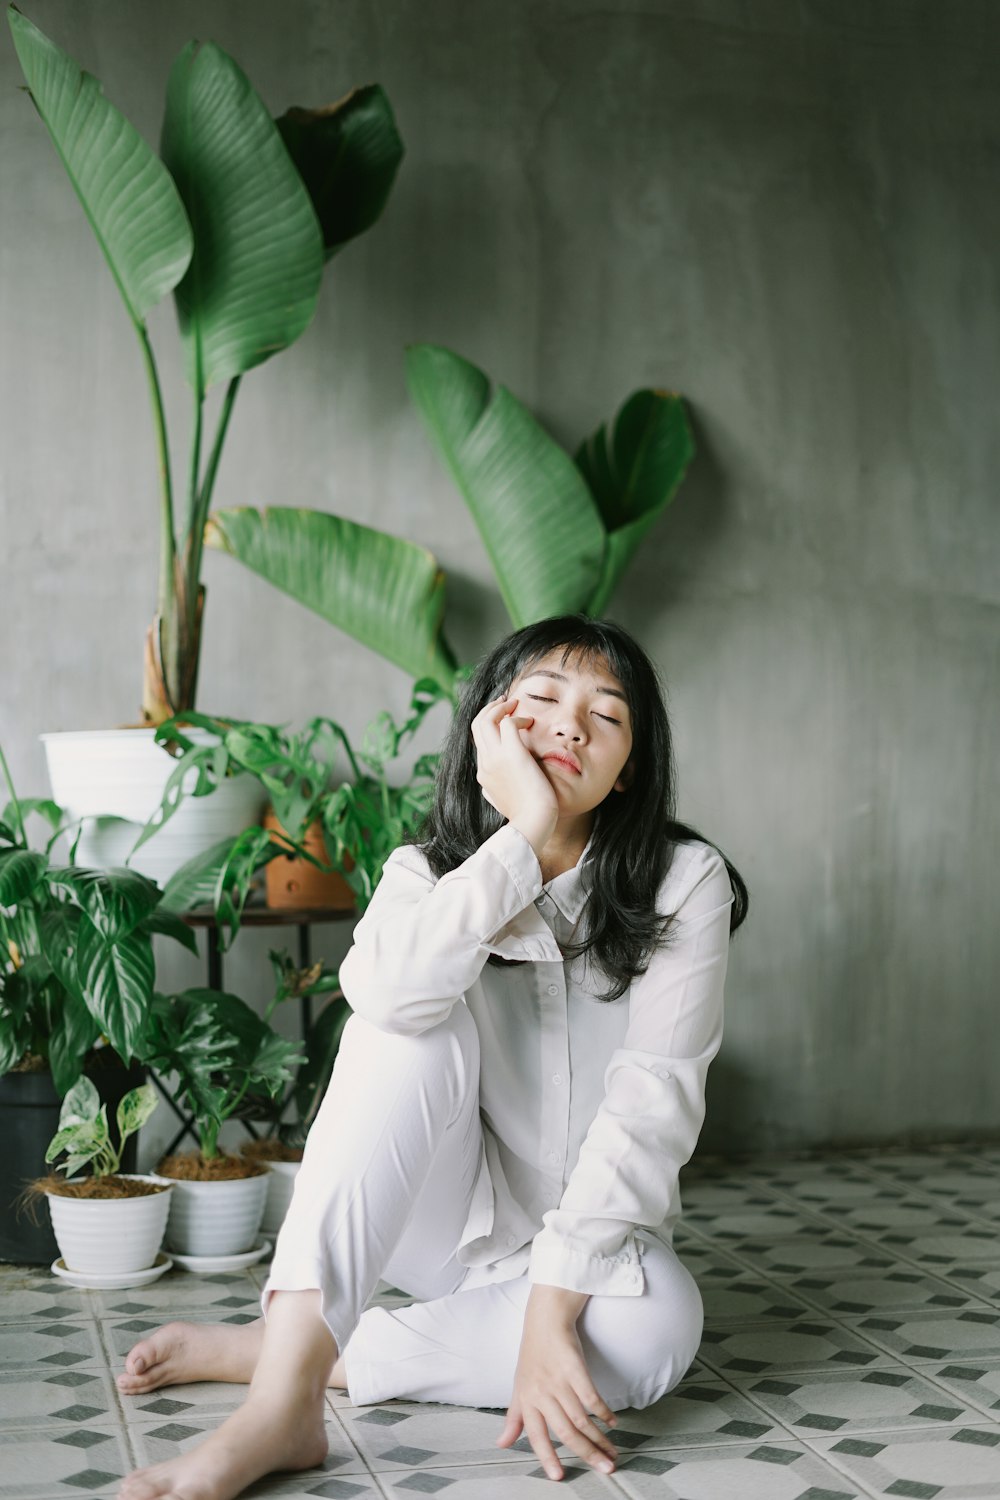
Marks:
<point>199,507</point>
<point>13,797</point>
<point>168,545</point>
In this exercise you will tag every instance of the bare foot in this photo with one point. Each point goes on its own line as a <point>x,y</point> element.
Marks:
<point>179,1353</point>
<point>263,1436</point>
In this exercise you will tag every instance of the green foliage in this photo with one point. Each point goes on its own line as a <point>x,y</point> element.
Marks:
<point>83,1132</point>
<point>363,818</point>
<point>219,1050</point>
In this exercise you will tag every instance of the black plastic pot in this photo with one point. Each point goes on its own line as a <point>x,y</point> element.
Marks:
<point>29,1117</point>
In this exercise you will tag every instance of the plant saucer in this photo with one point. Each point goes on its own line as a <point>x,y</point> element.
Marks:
<point>208,1263</point>
<point>111,1281</point>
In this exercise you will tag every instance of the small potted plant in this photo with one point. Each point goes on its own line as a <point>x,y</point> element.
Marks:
<point>218,1049</point>
<point>349,826</point>
<point>77,977</point>
<point>108,1224</point>
<point>281,1149</point>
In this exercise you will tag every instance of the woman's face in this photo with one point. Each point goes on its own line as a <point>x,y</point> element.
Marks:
<point>582,730</point>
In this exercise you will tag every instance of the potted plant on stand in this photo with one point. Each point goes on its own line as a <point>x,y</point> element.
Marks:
<point>218,1049</point>
<point>77,978</point>
<point>237,219</point>
<point>108,1225</point>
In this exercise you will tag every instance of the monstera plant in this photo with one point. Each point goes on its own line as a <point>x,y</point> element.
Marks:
<point>237,217</point>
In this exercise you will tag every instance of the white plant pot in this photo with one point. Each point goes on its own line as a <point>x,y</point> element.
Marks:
<point>110,1236</point>
<point>216,1218</point>
<point>280,1186</point>
<point>103,775</point>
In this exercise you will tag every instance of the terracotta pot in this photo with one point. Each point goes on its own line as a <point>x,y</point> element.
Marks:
<point>294,882</point>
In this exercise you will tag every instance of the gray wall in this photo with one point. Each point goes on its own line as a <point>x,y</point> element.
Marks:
<point>786,211</point>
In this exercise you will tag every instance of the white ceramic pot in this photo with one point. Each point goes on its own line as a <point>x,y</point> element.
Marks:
<point>280,1186</point>
<point>105,775</point>
<point>111,1236</point>
<point>216,1218</point>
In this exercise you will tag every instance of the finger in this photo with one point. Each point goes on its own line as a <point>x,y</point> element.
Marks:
<point>538,1436</point>
<point>597,1444</point>
<point>511,1428</point>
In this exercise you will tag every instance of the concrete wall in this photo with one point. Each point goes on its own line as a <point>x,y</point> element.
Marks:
<point>786,211</point>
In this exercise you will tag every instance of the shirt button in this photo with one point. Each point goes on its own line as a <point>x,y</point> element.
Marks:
<point>553,1156</point>
<point>557,1078</point>
<point>512,1239</point>
<point>540,900</point>
<point>553,989</point>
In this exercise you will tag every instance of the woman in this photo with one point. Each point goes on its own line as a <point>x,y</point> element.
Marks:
<point>537,991</point>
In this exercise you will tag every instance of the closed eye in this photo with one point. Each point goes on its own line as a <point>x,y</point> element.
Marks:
<point>539,699</point>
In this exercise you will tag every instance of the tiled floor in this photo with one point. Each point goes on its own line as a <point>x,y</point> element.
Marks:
<point>851,1349</point>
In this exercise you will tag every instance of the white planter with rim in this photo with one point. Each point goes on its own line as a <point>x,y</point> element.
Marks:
<point>216,1218</point>
<point>280,1186</point>
<point>103,775</point>
<point>111,1236</point>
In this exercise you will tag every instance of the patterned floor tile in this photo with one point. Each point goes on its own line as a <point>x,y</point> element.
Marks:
<point>48,1299</point>
<point>976,1381</point>
<point>698,1411</point>
<point>899,1288</point>
<point>180,1292</point>
<point>748,1297</point>
<point>49,1345</point>
<point>212,1400</point>
<point>773,1348</point>
<point>47,1462</point>
<point>901,1213</point>
<point>943,1463</point>
<point>813,1248</point>
<point>826,1187</point>
<point>411,1434</point>
<point>945,1247</point>
<point>43,1397</point>
<point>762,1471</point>
<point>498,1482</point>
<point>921,1337</point>
<point>770,1217</point>
<point>819,1403</point>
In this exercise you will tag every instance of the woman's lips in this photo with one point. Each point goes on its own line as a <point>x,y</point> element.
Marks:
<point>563,760</point>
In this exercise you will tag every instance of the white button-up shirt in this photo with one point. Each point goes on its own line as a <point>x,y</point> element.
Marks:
<point>589,1110</point>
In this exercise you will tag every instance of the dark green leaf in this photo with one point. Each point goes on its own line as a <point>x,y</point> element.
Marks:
<point>20,872</point>
<point>254,278</point>
<point>169,924</point>
<point>348,155</point>
<point>116,900</point>
<point>117,981</point>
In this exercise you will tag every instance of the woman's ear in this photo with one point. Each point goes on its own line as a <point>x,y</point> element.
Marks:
<point>625,779</point>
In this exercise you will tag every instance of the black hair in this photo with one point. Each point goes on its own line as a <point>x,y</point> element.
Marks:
<point>635,832</point>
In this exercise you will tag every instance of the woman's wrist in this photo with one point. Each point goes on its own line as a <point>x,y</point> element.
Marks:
<point>537,828</point>
<point>557,1302</point>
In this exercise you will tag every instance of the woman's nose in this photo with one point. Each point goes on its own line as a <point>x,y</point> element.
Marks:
<point>571,725</point>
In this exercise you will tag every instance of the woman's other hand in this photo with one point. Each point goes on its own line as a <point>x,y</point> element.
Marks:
<point>553,1392</point>
<point>512,780</point>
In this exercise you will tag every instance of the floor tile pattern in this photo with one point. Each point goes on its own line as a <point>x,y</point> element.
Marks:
<point>851,1351</point>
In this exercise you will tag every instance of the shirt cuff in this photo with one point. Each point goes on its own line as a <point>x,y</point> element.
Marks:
<point>554,1262</point>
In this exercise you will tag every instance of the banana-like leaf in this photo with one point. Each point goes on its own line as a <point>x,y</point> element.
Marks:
<point>171,925</point>
<point>347,155</point>
<point>386,592</point>
<point>635,476</point>
<point>539,522</point>
<point>194,883</point>
<point>127,193</point>
<point>253,282</point>
<point>117,983</point>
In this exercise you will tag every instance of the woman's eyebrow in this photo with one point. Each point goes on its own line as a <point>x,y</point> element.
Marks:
<point>610,692</point>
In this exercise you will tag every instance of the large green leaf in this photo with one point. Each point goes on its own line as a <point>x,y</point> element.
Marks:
<point>117,982</point>
<point>634,476</point>
<point>347,155</point>
<point>194,884</point>
<point>20,872</point>
<point>385,592</point>
<point>253,282</point>
<point>116,901</point>
<point>537,518</point>
<point>127,193</point>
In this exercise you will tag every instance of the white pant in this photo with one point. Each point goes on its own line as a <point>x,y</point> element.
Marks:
<point>383,1194</point>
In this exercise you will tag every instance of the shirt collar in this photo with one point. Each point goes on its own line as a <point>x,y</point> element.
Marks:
<point>569,891</point>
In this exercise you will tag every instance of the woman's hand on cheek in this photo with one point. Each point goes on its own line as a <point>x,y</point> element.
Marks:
<point>511,778</point>
<point>553,1392</point>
